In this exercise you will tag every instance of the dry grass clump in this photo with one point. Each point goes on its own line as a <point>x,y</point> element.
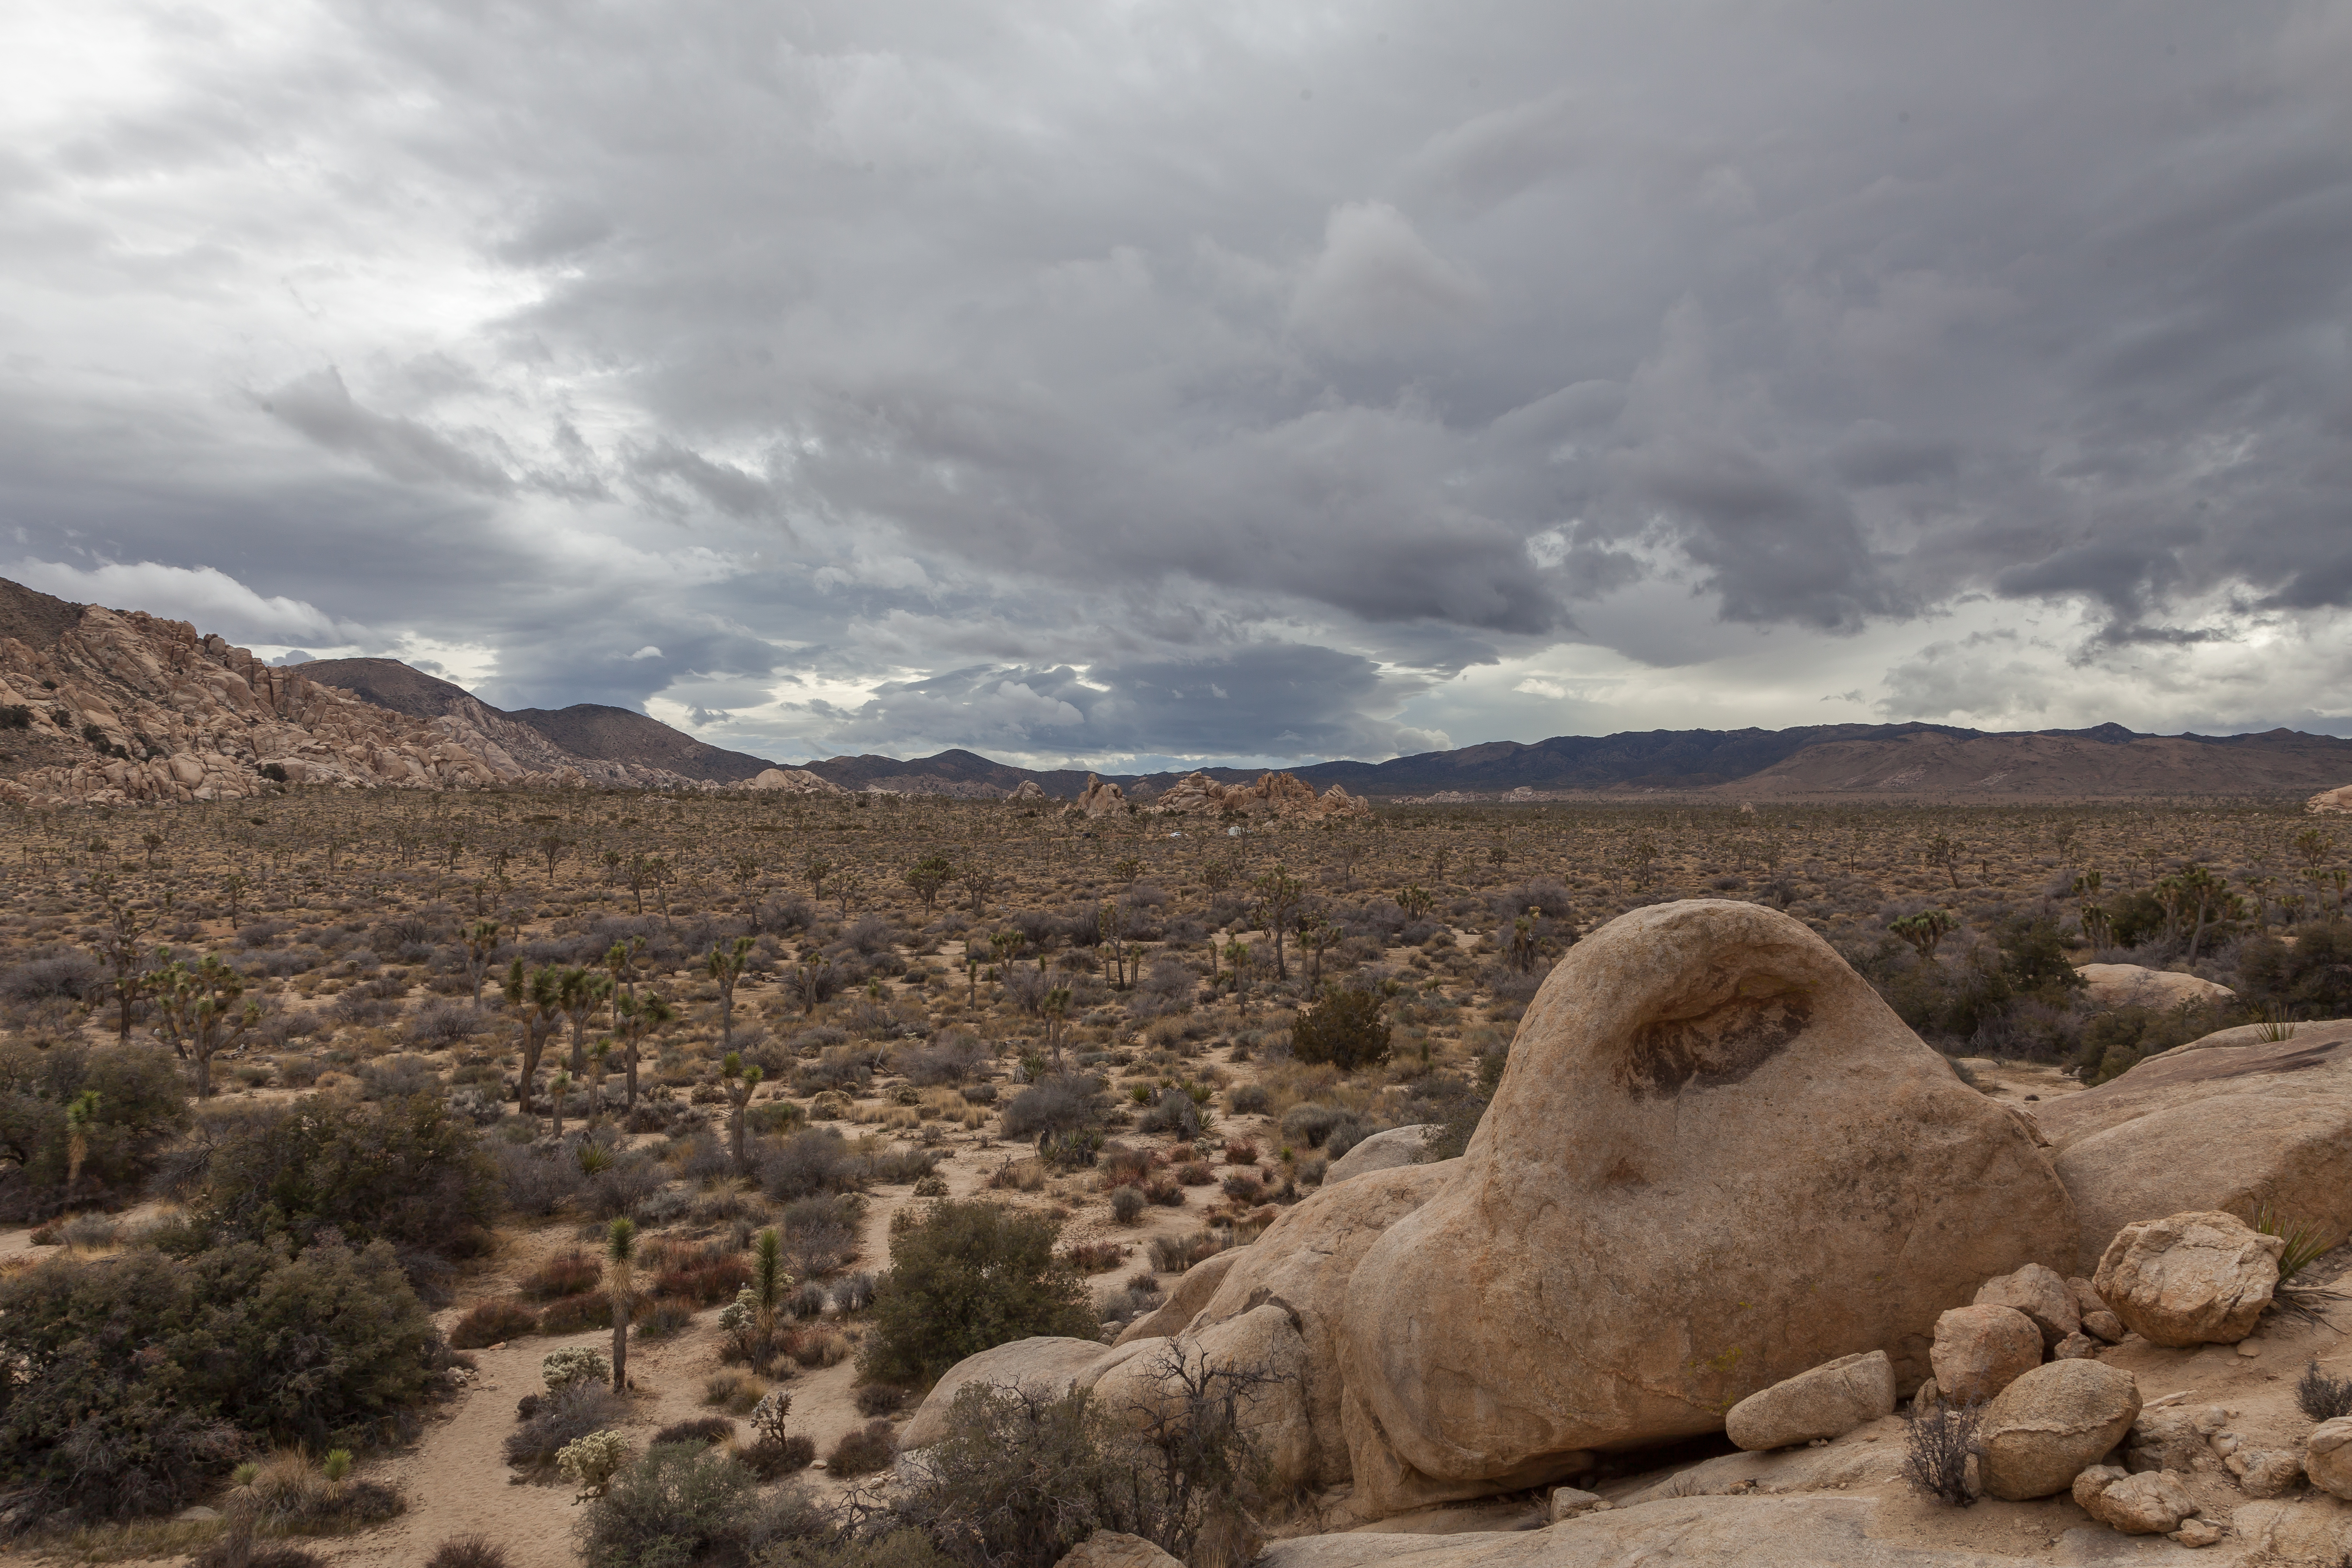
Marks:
<point>733,1390</point>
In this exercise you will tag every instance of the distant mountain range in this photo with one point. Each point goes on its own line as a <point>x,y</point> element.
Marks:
<point>98,685</point>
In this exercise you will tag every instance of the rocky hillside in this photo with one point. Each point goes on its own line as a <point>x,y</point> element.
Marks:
<point>108,707</point>
<point>619,735</point>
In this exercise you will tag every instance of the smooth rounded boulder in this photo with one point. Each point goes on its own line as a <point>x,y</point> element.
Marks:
<point>2051,1425</point>
<point>2190,1278</point>
<point>1715,1160</point>
<point>2328,1457</point>
<point>2231,1121</point>
<point>1380,1151</point>
<point>2041,1294</point>
<point>1979,1351</point>
<point>1829,1401</point>
<point>1048,1364</point>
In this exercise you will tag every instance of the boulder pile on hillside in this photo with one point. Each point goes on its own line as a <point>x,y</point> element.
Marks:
<point>1283,796</point>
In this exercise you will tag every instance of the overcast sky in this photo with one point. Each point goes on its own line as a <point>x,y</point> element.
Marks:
<point>1134,381</point>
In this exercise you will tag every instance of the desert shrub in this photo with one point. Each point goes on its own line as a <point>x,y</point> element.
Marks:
<point>290,1490</point>
<point>397,1077</point>
<point>680,1503</point>
<point>535,1183</point>
<point>853,1293</point>
<point>821,1234</point>
<point>2313,979</point>
<point>892,1167</point>
<point>467,1552</point>
<point>2113,1042</point>
<point>966,1277</point>
<point>140,1103</point>
<point>560,1368</point>
<point>1195,1173</point>
<point>849,1068</point>
<point>2321,1398</point>
<point>566,1274</point>
<point>773,1458</point>
<point>1343,1028</point>
<point>705,1275</point>
<point>138,1377</point>
<point>1060,1104</point>
<point>1177,1113</point>
<point>1938,1444</point>
<point>1240,1152</point>
<point>1175,1254</point>
<point>663,1317</point>
<point>404,1169</point>
<point>930,1186</point>
<point>75,976</point>
<point>1244,1187</point>
<point>1018,1176</point>
<point>1248,1099</point>
<point>948,1059</point>
<point>1072,1151</point>
<point>563,1415</point>
<point>863,1451</point>
<point>733,1390</point>
<point>819,1159</point>
<point>490,1323</point>
<point>1127,1204</point>
<point>233,1551</point>
<point>1311,1170</point>
<point>577,1314</point>
<point>821,1348</point>
<point>810,1299</point>
<point>1096,1257</point>
<point>881,1399</point>
<point>1020,1479</point>
<point>708,1429</point>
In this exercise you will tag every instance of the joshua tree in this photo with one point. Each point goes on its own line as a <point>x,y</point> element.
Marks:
<point>120,950</point>
<point>1924,930</point>
<point>1279,895</point>
<point>481,940</point>
<point>620,1271</point>
<point>557,1088</point>
<point>552,846</point>
<point>640,1018</point>
<point>596,1055</point>
<point>196,1007</point>
<point>978,880</point>
<point>1416,903</point>
<point>233,886</point>
<point>579,992</point>
<point>1056,1009</point>
<point>739,1081</point>
<point>726,965</point>
<point>538,1010</point>
<point>620,963</point>
<point>927,877</point>
<point>816,868</point>
<point>810,980</point>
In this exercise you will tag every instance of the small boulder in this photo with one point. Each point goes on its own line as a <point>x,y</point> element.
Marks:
<point>1115,1549</point>
<point>1570,1502</point>
<point>2041,1293</point>
<point>2189,1278</point>
<point>2265,1472</point>
<point>2328,1457</point>
<point>2153,1503</point>
<point>2178,1438</point>
<point>2105,1325</point>
<point>1380,1151</point>
<point>1979,1350</point>
<point>2052,1424</point>
<point>2198,1532</point>
<point>2087,1295</point>
<point>1829,1401</point>
<point>2074,1347</point>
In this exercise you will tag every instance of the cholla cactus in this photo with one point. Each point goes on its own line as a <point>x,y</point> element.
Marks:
<point>569,1366</point>
<point>740,1313</point>
<point>768,1416</point>
<point>590,1462</point>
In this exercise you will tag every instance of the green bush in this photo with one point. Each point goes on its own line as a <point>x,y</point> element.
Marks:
<point>137,1377</point>
<point>2313,979</point>
<point>1343,1028</point>
<point>405,1170</point>
<point>681,1503</point>
<point>964,1278</point>
<point>863,1451</point>
<point>140,1103</point>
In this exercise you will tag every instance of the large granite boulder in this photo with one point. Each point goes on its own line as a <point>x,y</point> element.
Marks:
<point>1981,1350</point>
<point>1715,1160</point>
<point>1257,1359</point>
<point>1192,1290</point>
<point>2231,1121</point>
<point>1829,1401</point>
<point>2190,1278</point>
<point>2052,1424</point>
<point>2131,986</point>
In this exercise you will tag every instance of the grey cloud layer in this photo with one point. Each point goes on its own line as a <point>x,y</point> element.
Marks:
<point>1010,376</point>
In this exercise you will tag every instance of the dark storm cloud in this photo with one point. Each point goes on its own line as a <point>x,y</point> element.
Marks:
<point>997,375</point>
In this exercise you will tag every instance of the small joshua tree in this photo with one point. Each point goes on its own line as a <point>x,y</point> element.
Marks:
<point>620,1285</point>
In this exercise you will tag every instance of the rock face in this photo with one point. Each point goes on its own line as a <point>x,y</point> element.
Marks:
<point>1715,1160</point>
<point>1979,1350</point>
<point>2051,1425</point>
<point>1281,795</point>
<point>1026,789</point>
<point>2153,1503</point>
<point>140,710</point>
<point>2328,1457</point>
<point>1380,1151</point>
<point>2129,985</point>
<point>1116,1549</point>
<point>2189,1278</point>
<point>1047,1363</point>
<point>2328,802</point>
<point>1830,1401</point>
<point>1193,1289</point>
<point>2041,1294</point>
<point>2231,1122</point>
<point>790,781</point>
<point>1262,1359</point>
<point>1098,798</point>
<point>1305,1261</point>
